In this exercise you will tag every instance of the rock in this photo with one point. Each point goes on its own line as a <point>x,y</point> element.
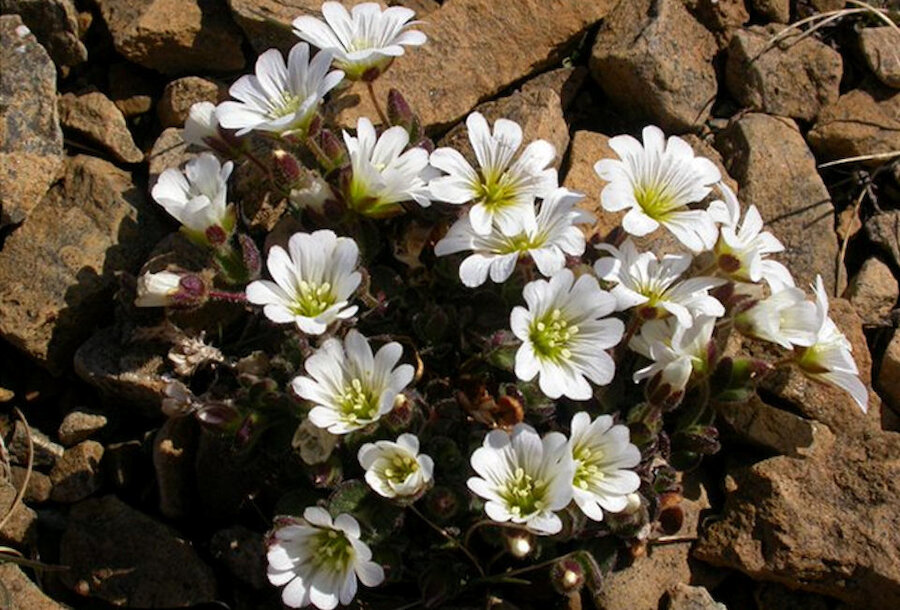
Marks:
<point>769,427</point>
<point>46,452</point>
<point>889,373</point>
<point>57,271</point>
<point>873,291</point>
<point>77,474</point>
<point>169,150</point>
<point>94,116</point>
<point>864,121</point>
<point>721,17</point>
<point>243,554</point>
<point>881,48</point>
<point>792,78</point>
<point>654,62</point>
<point>822,523</point>
<point>55,24</point>
<point>174,36</point>
<point>80,425</point>
<point>565,82</point>
<point>686,597</point>
<point>39,485</point>
<point>466,61</point>
<point>538,111</point>
<point>174,450</point>
<point>124,557</point>
<point>125,371</point>
<point>21,592</point>
<point>587,148</point>
<point>20,529</point>
<point>267,23</point>
<point>130,88</point>
<point>884,230</point>
<point>778,11</point>
<point>31,142</point>
<point>765,153</point>
<point>179,95</point>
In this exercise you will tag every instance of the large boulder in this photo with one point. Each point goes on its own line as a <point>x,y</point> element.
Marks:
<point>31,142</point>
<point>55,23</point>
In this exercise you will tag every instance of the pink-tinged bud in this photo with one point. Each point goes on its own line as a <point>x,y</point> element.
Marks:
<point>170,289</point>
<point>288,172</point>
<point>398,110</point>
<point>332,148</point>
<point>250,255</point>
<point>216,236</point>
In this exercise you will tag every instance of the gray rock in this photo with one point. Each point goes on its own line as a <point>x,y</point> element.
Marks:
<point>31,142</point>
<point>55,24</point>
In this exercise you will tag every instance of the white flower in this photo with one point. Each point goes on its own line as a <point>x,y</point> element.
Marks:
<point>384,175</point>
<point>501,189</point>
<point>201,126</point>
<point>280,98</point>
<point>603,456</point>
<point>157,289</point>
<point>564,335</point>
<point>657,181</point>
<point>676,352</point>
<point>350,387</point>
<point>319,560</point>
<point>741,246</point>
<point>364,41</point>
<point>830,360</point>
<point>198,198</point>
<point>313,284</point>
<point>651,284</point>
<point>396,470</point>
<point>524,478</point>
<point>785,318</point>
<point>553,237</point>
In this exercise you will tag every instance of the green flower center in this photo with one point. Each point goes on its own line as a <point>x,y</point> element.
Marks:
<point>332,551</point>
<point>654,199</point>
<point>400,468</point>
<point>311,299</point>
<point>493,191</point>
<point>357,403</point>
<point>520,243</point>
<point>588,471</point>
<point>551,334</point>
<point>523,494</point>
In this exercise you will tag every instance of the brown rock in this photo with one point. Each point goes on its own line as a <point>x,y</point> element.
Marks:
<point>174,449</point>
<point>792,78</point>
<point>823,523</point>
<point>873,292</point>
<point>179,95</point>
<point>565,82</point>
<point>864,121</point>
<point>721,17</point>
<point>45,451</point>
<point>466,61</point>
<point>80,425</point>
<point>31,143</point>
<point>95,117</point>
<point>130,88</point>
<point>765,153</point>
<point>55,24</point>
<point>175,36</point>
<point>20,529</point>
<point>169,150</point>
<point>778,11</point>
<point>126,558</point>
<point>654,61</point>
<point>889,373</point>
<point>587,148</point>
<point>686,597</point>
<point>39,485</point>
<point>769,427</point>
<point>21,592</point>
<point>881,48</point>
<point>884,230</point>
<point>77,474</point>
<point>57,271</point>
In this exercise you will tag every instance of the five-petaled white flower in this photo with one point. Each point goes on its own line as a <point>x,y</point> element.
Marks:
<point>553,237</point>
<point>280,98</point>
<point>524,478</point>
<point>603,456</point>
<point>314,281</point>
<point>657,182</point>
<point>564,335</point>
<point>384,175</point>
<point>829,359</point>
<point>319,559</point>
<point>742,246</point>
<point>786,318</point>
<point>396,469</point>
<point>501,189</point>
<point>652,285</point>
<point>364,41</point>
<point>351,387</point>
<point>676,353</point>
<point>198,197</point>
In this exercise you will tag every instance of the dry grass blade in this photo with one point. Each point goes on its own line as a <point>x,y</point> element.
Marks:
<point>821,20</point>
<point>841,268</point>
<point>881,14</point>
<point>886,156</point>
<point>30,465</point>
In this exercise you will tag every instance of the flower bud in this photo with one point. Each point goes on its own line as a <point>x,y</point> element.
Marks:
<point>520,544</point>
<point>286,169</point>
<point>442,503</point>
<point>567,576</point>
<point>169,289</point>
<point>333,149</point>
<point>250,254</point>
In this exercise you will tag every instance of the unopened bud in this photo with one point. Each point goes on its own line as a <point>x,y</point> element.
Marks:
<point>442,503</point>
<point>215,235</point>
<point>333,149</point>
<point>169,289</point>
<point>327,475</point>
<point>569,574</point>
<point>400,113</point>
<point>519,544</point>
<point>250,254</point>
<point>287,171</point>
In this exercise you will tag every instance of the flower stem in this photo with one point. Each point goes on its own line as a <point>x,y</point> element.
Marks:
<point>230,297</point>
<point>450,538</point>
<point>526,569</point>
<point>483,522</point>
<point>381,116</point>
